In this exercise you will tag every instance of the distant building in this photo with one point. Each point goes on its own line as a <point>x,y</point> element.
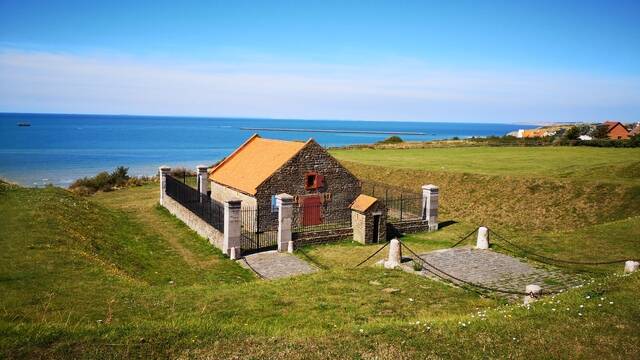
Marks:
<point>533,133</point>
<point>616,131</point>
<point>635,131</point>
<point>585,137</point>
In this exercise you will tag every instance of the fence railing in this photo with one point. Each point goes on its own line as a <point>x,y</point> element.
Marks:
<point>209,210</point>
<point>401,203</point>
<point>404,208</point>
<point>320,217</point>
<point>255,233</point>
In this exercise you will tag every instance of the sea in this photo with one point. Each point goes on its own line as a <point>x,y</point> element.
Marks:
<point>59,148</point>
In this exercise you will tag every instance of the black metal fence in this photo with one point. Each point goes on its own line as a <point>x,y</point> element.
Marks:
<point>401,203</point>
<point>209,210</point>
<point>254,235</point>
<point>320,216</point>
<point>404,208</point>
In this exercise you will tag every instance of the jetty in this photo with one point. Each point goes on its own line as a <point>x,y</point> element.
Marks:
<point>336,131</point>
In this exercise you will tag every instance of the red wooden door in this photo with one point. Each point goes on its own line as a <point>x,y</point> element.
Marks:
<point>311,211</point>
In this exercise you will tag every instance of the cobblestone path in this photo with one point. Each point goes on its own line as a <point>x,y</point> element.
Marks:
<point>275,265</point>
<point>496,270</point>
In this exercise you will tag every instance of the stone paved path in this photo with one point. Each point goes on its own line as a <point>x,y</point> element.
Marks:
<point>496,270</point>
<point>275,265</point>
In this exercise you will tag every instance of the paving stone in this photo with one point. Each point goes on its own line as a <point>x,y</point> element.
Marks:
<point>275,265</point>
<point>496,270</point>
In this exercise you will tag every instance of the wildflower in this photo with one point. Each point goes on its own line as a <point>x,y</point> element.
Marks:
<point>581,305</point>
<point>410,299</point>
<point>588,297</point>
<point>579,314</point>
<point>599,305</point>
<point>361,331</point>
<point>554,309</point>
<point>610,302</point>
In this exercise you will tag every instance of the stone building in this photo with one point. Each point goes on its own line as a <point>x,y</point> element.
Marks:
<point>262,168</point>
<point>369,220</point>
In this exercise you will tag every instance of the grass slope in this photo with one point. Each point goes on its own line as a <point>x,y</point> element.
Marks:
<point>531,203</point>
<point>90,279</point>
<point>611,165</point>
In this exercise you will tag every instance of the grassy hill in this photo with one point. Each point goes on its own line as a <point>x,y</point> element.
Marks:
<point>537,189</point>
<point>116,276</point>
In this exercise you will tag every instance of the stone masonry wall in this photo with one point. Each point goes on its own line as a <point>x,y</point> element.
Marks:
<point>367,219</point>
<point>342,186</point>
<point>222,194</point>
<point>203,229</point>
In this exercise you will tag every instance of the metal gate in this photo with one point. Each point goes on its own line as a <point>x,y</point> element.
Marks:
<point>257,231</point>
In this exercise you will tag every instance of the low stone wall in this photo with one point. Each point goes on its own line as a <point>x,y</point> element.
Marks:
<point>321,237</point>
<point>397,228</point>
<point>194,222</point>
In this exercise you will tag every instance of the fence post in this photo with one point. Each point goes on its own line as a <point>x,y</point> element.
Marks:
<point>203,179</point>
<point>232,223</point>
<point>430,194</point>
<point>285,213</point>
<point>163,172</point>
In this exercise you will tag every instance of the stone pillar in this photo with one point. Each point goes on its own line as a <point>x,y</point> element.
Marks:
<point>395,255</point>
<point>163,172</point>
<point>430,194</point>
<point>232,222</point>
<point>533,293</point>
<point>203,179</point>
<point>483,238</point>
<point>631,266</point>
<point>284,202</point>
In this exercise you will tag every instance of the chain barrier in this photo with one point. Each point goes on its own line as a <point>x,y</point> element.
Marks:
<point>372,255</point>
<point>526,251</point>
<point>464,238</point>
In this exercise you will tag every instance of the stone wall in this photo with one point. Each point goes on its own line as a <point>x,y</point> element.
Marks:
<point>223,194</point>
<point>321,237</point>
<point>397,228</point>
<point>340,186</point>
<point>203,229</point>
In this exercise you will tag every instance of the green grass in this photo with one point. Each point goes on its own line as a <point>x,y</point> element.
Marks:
<point>577,163</point>
<point>114,275</point>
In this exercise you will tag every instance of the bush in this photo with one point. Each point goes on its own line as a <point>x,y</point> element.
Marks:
<point>105,181</point>
<point>391,140</point>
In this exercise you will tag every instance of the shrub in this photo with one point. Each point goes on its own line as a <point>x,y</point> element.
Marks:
<point>391,140</point>
<point>105,181</point>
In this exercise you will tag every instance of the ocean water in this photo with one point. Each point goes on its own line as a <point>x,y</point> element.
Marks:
<point>59,148</point>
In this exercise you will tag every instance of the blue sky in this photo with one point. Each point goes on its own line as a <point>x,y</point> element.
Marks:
<point>498,61</point>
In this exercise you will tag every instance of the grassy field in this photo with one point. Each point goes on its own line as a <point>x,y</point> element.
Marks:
<point>576,163</point>
<point>529,188</point>
<point>116,276</point>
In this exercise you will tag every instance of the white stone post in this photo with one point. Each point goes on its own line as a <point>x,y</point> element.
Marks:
<point>203,179</point>
<point>430,194</point>
<point>163,172</point>
<point>232,223</point>
<point>533,293</point>
<point>285,215</point>
<point>395,255</point>
<point>631,266</point>
<point>483,238</point>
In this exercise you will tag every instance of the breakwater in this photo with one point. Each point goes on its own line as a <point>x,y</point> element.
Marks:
<point>336,131</point>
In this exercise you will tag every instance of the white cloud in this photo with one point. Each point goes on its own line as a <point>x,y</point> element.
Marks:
<point>399,90</point>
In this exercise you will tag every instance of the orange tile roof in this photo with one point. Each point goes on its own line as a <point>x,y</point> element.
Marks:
<point>254,162</point>
<point>363,202</point>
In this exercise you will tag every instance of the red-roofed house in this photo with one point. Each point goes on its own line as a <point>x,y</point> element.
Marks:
<point>616,131</point>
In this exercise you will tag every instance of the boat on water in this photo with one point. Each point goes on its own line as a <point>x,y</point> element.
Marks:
<point>24,124</point>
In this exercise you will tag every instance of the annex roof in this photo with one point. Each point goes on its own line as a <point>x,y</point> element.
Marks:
<point>254,162</point>
<point>363,202</point>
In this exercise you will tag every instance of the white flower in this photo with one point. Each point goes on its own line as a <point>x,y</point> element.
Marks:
<point>361,330</point>
<point>554,309</point>
<point>580,314</point>
<point>610,302</point>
